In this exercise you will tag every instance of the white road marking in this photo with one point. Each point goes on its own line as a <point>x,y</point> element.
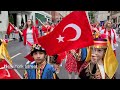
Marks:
<point>15,55</point>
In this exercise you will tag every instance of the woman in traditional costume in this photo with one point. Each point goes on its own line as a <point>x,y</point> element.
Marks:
<point>101,62</point>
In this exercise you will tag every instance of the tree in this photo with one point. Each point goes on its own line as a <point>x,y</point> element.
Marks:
<point>91,16</point>
<point>11,19</point>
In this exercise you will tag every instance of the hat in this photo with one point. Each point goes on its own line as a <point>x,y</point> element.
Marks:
<point>34,48</point>
<point>100,41</point>
<point>37,47</point>
<point>110,61</point>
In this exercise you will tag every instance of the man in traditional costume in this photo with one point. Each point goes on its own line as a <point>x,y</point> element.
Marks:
<point>39,69</point>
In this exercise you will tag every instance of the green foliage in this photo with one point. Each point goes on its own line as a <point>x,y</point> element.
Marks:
<point>11,19</point>
<point>91,16</point>
<point>41,17</point>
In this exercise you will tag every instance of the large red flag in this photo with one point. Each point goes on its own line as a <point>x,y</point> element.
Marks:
<point>46,28</point>
<point>7,72</point>
<point>10,28</point>
<point>71,33</point>
<point>61,57</point>
<point>29,57</point>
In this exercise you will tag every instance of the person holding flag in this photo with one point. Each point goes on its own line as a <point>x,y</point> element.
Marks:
<point>11,29</point>
<point>30,34</point>
<point>101,62</point>
<point>69,34</point>
<point>74,60</point>
<point>71,64</point>
<point>98,26</point>
<point>46,28</point>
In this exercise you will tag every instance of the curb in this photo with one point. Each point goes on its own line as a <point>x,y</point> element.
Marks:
<point>10,40</point>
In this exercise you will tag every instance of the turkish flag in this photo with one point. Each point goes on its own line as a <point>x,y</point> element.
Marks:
<point>6,72</point>
<point>29,57</point>
<point>61,57</point>
<point>71,33</point>
<point>10,28</point>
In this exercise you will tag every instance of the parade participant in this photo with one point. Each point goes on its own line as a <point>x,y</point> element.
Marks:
<point>103,26</point>
<point>95,32</point>
<point>30,34</point>
<point>111,35</point>
<point>98,26</point>
<point>39,69</point>
<point>57,60</point>
<point>54,63</point>
<point>20,36</point>
<point>46,28</point>
<point>71,64</point>
<point>80,56</point>
<point>100,60</point>
<point>52,27</point>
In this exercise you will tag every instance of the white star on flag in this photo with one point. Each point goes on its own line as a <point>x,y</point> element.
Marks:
<point>60,38</point>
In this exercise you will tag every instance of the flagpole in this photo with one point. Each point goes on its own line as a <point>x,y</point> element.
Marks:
<point>88,19</point>
<point>12,24</point>
<point>12,67</point>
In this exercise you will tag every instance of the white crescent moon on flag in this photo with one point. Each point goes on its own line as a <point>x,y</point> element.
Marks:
<point>76,28</point>
<point>8,73</point>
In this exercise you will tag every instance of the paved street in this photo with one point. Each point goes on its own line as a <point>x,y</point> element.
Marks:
<point>17,52</point>
<point>118,58</point>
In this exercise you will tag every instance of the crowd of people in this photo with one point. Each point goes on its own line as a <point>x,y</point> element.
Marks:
<point>86,63</point>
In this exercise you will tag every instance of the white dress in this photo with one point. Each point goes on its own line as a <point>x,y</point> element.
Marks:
<point>29,39</point>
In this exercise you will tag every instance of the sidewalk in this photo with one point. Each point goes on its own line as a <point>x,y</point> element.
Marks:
<point>12,36</point>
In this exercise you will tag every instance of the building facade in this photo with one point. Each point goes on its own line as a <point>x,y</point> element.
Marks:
<point>115,16</point>
<point>64,13</point>
<point>3,23</point>
<point>15,18</point>
<point>102,16</point>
